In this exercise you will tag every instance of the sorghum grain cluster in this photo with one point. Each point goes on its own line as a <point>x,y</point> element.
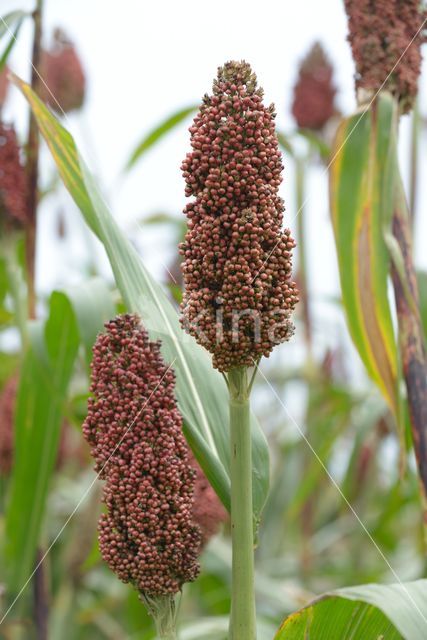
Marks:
<point>134,429</point>
<point>381,31</point>
<point>314,93</point>
<point>7,412</point>
<point>237,260</point>
<point>13,181</point>
<point>62,72</point>
<point>208,512</point>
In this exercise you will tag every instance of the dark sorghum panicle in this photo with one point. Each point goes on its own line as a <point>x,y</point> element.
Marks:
<point>208,512</point>
<point>314,93</point>
<point>7,411</point>
<point>134,429</point>
<point>238,294</point>
<point>13,181</point>
<point>62,72</point>
<point>380,31</point>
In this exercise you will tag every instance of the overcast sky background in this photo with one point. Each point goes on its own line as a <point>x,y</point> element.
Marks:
<point>145,60</point>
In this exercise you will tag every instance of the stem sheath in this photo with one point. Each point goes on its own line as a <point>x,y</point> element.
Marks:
<point>302,257</point>
<point>243,620</point>
<point>32,165</point>
<point>164,612</point>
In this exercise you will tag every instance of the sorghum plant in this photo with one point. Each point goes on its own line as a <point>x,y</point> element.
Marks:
<point>147,534</point>
<point>13,185</point>
<point>314,93</point>
<point>385,38</point>
<point>238,295</point>
<point>64,85</point>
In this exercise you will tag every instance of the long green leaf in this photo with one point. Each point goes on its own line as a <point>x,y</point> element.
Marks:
<point>359,180</point>
<point>44,380</point>
<point>10,19</point>
<point>201,391</point>
<point>372,611</point>
<point>158,132</point>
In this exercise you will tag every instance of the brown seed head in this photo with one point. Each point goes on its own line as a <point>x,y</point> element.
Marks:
<point>314,92</point>
<point>236,259</point>
<point>62,72</point>
<point>208,511</point>
<point>13,181</point>
<point>385,47</point>
<point>134,429</point>
<point>7,411</point>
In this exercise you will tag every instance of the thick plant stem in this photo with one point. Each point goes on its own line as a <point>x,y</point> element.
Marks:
<point>32,165</point>
<point>243,620</point>
<point>302,259</point>
<point>411,340</point>
<point>413,174</point>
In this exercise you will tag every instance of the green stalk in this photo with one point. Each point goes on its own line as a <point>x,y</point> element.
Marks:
<point>243,619</point>
<point>164,612</point>
<point>413,175</point>
<point>302,257</point>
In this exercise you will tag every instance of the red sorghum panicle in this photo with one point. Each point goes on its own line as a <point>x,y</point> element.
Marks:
<point>4,85</point>
<point>314,92</point>
<point>62,72</point>
<point>134,429</point>
<point>7,411</point>
<point>67,449</point>
<point>13,181</point>
<point>208,512</point>
<point>237,260</point>
<point>381,31</point>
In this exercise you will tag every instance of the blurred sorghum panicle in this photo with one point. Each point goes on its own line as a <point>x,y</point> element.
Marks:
<point>238,294</point>
<point>134,429</point>
<point>314,93</point>
<point>62,72</point>
<point>7,410</point>
<point>4,85</point>
<point>380,32</point>
<point>208,512</point>
<point>13,181</point>
<point>67,449</point>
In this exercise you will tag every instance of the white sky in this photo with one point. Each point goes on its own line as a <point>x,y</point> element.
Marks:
<point>145,60</point>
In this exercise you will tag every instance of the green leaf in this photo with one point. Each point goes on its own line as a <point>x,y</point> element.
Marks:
<point>12,41</point>
<point>201,391</point>
<point>316,143</point>
<point>386,612</point>
<point>45,376</point>
<point>10,19</point>
<point>92,304</point>
<point>285,143</point>
<point>158,132</point>
<point>359,181</point>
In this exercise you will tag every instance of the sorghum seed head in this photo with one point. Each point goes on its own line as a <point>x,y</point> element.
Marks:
<point>62,72</point>
<point>208,512</point>
<point>147,535</point>
<point>314,92</point>
<point>67,449</point>
<point>13,181</point>
<point>7,411</point>
<point>380,31</point>
<point>236,259</point>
